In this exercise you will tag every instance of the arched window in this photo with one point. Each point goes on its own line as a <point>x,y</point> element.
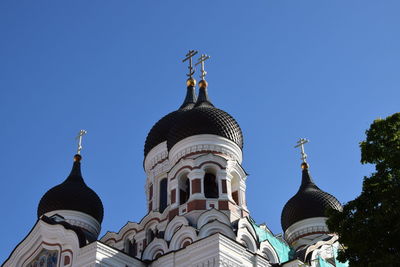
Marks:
<point>163,194</point>
<point>235,188</point>
<point>131,247</point>
<point>150,236</point>
<point>184,189</point>
<point>210,186</point>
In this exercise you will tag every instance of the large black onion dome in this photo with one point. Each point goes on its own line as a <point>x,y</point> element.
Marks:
<point>308,202</point>
<point>72,194</point>
<point>204,118</point>
<point>159,131</point>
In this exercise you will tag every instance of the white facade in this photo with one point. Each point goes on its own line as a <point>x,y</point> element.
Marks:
<point>197,216</point>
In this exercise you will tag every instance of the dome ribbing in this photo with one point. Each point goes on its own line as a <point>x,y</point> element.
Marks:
<point>204,118</point>
<point>160,130</point>
<point>308,202</point>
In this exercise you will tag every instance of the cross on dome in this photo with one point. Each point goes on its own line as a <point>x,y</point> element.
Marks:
<point>201,60</point>
<point>79,138</point>
<point>301,143</point>
<point>189,56</point>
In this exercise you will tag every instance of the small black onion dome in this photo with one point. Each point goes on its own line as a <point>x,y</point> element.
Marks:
<point>204,118</point>
<point>159,131</point>
<point>72,194</point>
<point>308,202</point>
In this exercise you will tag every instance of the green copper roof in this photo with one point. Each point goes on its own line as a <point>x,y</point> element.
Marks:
<point>281,248</point>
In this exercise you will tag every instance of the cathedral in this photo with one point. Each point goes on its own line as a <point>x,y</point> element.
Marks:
<point>197,213</point>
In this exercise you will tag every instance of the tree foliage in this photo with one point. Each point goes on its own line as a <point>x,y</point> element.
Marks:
<point>369,226</point>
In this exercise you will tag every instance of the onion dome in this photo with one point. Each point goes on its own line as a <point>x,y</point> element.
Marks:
<point>159,131</point>
<point>308,202</point>
<point>72,194</point>
<point>204,118</point>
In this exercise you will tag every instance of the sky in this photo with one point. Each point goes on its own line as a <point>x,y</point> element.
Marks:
<point>322,70</point>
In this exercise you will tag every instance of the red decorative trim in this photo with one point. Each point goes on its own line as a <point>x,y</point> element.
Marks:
<point>160,161</point>
<point>196,186</point>
<point>196,167</point>
<point>202,152</point>
<point>223,205</point>
<point>223,183</point>
<point>134,229</point>
<point>173,196</point>
<point>187,239</point>
<point>173,213</point>
<point>197,204</point>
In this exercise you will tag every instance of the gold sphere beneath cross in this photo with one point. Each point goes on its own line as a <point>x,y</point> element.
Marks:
<point>203,84</point>
<point>191,82</point>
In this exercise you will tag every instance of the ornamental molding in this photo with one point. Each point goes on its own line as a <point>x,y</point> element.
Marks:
<point>212,215</point>
<point>152,218</point>
<point>198,164</point>
<point>174,225</point>
<point>205,143</point>
<point>306,227</point>
<point>216,227</point>
<point>44,236</point>
<point>183,234</point>
<point>105,254</point>
<point>152,249</point>
<point>157,155</point>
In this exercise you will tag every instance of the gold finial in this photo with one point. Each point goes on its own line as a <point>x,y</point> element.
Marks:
<point>77,158</point>
<point>301,143</point>
<point>189,56</point>
<point>203,84</point>
<point>79,138</point>
<point>191,82</point>
<point>304,166</point>
<point>201,60</point>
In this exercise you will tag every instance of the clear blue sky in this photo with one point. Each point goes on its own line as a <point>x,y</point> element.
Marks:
<point>284,69</point>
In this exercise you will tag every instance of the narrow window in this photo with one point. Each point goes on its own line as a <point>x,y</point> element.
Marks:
<point>184,190</point>
<point>150,236</point>
<point>132,248</point>
<point>163,195</point>
<point>210,186</point>
<point>235,189</point>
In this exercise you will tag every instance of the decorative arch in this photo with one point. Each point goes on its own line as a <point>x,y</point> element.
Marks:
<point>216,227</point>
<point>153,249</point>
<point>174,225</point>
<point>245,224</point>
<point>151,231</point>
<point>183,235</point>
<point>268,251</point>
<point>247,239</point>
<point>211,160</point>
<point>211,215</point>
